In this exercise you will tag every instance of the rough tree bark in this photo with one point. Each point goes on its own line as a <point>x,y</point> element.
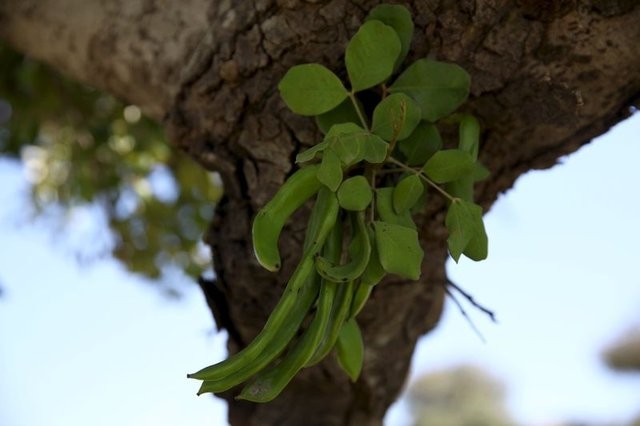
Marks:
<point>547,77</point>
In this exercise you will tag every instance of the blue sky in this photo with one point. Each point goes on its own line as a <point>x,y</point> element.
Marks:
<point>79,339</point>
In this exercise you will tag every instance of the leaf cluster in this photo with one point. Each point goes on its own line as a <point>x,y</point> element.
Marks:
<point>371,173</point>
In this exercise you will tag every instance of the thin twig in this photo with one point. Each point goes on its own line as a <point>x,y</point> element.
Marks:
<point>421,176</point>
<point>471,300</point>
<point>465,315</point>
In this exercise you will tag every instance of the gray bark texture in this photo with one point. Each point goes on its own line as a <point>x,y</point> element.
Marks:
<point>547,77</point>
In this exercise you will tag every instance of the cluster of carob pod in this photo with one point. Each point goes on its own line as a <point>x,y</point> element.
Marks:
<point>368,176</point>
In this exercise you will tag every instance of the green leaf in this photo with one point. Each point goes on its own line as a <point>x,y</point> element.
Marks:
<point>375,149</point>
<point>371,55</point>
<point>312,152</point>
<point>461,188</point>
<point>355,194</point>
<point>480,172</point>
<point>399,249</point>
<point>343,140</point>
<point>439,88</point>
<point>406,193</point>
<point>448,165</point>
<point>350,349</point>
<point>353,144</point>
<point>478,247</point>
<point>395,117</point>
<point>469,135</point>
<point>343,129</point>
<point>311,89</point>
<point>374,272</point>
<point>463,222</point>
<point>330,170</point>
<point>386,212</point>
<point>398,18</point>
<point>343,113</point>
<point>421,144</point>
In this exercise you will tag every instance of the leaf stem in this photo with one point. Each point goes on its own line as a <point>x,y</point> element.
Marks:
<point>391,147</point>
<point>388,171</point>
<point>397,127</point>
<point>354,101</point>
<point>423,177</point>
<point>370,174</point>
<point>385,90</point>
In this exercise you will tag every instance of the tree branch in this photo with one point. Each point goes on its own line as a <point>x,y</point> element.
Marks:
<point>133,49</point>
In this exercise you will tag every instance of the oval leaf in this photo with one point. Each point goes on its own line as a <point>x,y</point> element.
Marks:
<point>399,249</point>
<point>421,144</point>
<point>355,194</point>
<point>350,349</point>
<point>375,149</point>
<point>407,193</point>
<point>395,117</point>
<point>438,87</point>
<point>478,247</point>
<point>330,170</point>
<point>448,165</point>
<point>311,89</point>
<point>463,222</point>
<point>371,55</point>
<point>397,17</point>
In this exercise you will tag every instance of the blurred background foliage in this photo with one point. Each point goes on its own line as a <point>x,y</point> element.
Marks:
<point>624,354</point>
<point>467,395</point>
<point>79,147</point>
<point>460,396</point>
